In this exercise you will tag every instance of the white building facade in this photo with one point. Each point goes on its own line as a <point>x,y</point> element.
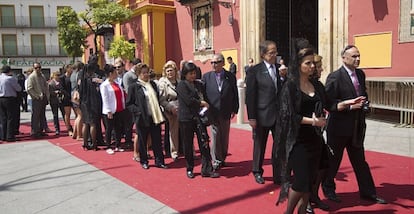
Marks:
<point>28,33</point>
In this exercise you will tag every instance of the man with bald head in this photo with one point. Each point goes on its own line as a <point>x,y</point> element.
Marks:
<point>348,97</point>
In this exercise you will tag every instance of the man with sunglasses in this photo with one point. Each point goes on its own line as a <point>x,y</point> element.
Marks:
<point>263,85</point>
<point>222,96</point>
<point>120,69</point>
<point>37,88</point>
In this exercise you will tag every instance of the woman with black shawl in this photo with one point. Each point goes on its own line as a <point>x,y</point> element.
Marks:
<point>298,130</point>
<point>90,104</point>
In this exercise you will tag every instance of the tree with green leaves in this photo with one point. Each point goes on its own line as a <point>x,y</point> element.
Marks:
<point>101,15</point>
<point>122,48</point>
<point>72,36</point>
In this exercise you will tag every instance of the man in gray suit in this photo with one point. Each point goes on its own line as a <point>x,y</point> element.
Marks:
<point>222,96</point>
<point>262,86</point>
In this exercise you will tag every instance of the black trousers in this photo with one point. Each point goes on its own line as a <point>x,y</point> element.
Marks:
<point>114,124</point>
<point>259,147</point>
<point>155,131</point>
<point>187,130</point>
<point>9,113</point>
<point>127,122</point>
<point>23,100</point>
<point>356,155</point>
<point>55,111</point>
<point>38,115</point>
<point>167,147</point>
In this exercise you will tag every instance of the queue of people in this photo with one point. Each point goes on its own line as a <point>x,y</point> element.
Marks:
<point>290,102</point>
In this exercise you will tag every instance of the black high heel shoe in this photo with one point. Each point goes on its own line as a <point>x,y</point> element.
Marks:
<point>317,201</point>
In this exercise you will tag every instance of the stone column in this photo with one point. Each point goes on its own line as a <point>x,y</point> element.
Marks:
<point>253,21</point>
<point>242,98</point>
<point>333,33</point>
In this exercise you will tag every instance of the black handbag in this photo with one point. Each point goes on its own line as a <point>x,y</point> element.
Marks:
<point>319,113</point>
<point>319,109</point>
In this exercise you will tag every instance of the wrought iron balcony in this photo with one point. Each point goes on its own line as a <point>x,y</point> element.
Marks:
<point>27,50</point>
<point>28,22</point>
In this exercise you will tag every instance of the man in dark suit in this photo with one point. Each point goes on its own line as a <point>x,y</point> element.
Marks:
<point>222,96</point>
<point>346,91</point>
<point>233,67</point>
<point>262,87</point>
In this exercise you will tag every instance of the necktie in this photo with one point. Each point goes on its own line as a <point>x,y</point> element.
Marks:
<point>273,73</point>
<point>355,82</point>
<point>219,82</point>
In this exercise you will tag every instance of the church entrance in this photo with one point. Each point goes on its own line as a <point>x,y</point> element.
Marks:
<point>287,20</point>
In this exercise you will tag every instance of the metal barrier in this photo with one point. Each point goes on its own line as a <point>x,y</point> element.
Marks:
<point>393,93</point>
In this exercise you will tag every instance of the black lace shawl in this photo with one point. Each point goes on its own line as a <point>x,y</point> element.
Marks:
<point>287,127</point>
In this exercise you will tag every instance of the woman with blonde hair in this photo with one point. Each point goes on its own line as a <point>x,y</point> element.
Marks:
<point>169,101</point>
<point>57,94</point>
<point>67,98</point>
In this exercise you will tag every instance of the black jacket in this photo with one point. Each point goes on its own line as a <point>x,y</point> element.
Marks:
<point>225,102</point>
<point>189,99</point>
<point>339,87</point>
<point>261,95</point>
<point>136,103</point>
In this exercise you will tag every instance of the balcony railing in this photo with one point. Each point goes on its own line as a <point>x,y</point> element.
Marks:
<point>51,50</point>
<point>28,22</point>
<point>393,94</point>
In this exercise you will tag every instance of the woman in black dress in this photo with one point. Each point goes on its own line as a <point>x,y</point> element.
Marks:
<point>66,101</point>
<point>90,104</point>
<point>298,130</point>
<point>190,100</point>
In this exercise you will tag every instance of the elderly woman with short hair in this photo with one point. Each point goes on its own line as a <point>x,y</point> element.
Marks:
<point>169,101</point>
<point>143,103</point>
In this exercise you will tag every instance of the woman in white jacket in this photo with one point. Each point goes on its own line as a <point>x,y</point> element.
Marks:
<point>113,108</point>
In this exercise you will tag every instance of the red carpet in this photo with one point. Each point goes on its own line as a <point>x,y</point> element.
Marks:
<point>236,191</point>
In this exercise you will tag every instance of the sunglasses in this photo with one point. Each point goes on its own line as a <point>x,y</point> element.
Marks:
<point>37,67</point>
<point>216,62</point>
<point>118,67</point>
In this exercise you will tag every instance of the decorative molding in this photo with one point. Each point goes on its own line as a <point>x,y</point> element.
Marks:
<point>193,3</point>
<point>203,56</point>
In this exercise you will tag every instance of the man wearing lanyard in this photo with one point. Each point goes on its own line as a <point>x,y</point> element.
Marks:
<point>223,98</point>
<point>9,106</point>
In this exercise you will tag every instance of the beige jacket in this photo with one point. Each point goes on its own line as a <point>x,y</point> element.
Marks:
<point>168,95</point>
<point>37,86</point>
